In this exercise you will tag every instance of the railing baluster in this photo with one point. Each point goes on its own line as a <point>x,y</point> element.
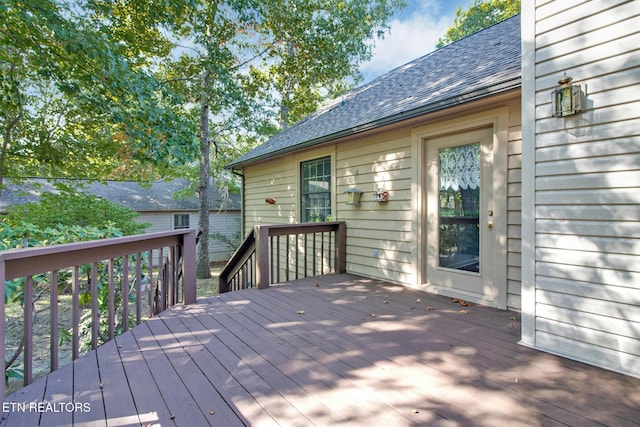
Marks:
<point>315,258</point>
<point>75,302</point>
<point>288,257</point>
<point>278,258</point>
<point>330,249</point>
<point>138,288</point>
<point>160,291</point>
<point>305,254</point>
<point>95,320</point>
<point>296,247</point>
<point>124,300</point>
<point>150,285</point>
<point>111,299</point>
<point>171,277</point>
<point>28,330</point>
<point>53,320</point>
<point>322,253</point>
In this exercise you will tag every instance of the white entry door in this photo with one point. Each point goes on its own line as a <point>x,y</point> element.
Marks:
<point>461,249</point>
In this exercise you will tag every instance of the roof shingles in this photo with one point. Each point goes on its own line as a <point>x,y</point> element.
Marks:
<point>158,196</point>
<point>482,64</point>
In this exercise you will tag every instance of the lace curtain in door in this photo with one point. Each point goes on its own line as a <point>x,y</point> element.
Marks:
<point>460,167</point>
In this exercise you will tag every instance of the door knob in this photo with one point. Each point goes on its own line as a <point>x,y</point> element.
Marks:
<point>490,224</point>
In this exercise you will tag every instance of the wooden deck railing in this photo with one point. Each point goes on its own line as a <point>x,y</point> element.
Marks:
<point>110,266</point>
<point>277,253</point>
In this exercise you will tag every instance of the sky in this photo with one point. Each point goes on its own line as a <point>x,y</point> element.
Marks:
<point>414,32</point>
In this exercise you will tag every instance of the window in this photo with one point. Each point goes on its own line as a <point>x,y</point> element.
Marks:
<point>316,190</point>
<point>180,221</point>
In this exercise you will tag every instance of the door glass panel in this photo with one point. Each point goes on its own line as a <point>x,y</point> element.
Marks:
<point>459,207</point>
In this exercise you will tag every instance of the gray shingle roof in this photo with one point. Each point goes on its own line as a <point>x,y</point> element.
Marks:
<point>157,197</point>
<point>485,63</point>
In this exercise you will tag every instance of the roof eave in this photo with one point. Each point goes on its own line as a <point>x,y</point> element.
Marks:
<point>504,86</point>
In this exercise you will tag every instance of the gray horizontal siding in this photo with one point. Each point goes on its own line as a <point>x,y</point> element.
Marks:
<point>587,184</point>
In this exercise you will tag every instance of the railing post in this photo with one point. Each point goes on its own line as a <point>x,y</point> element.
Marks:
<point>341,248</point>
<point>262,256</point>
<point>189,268</point>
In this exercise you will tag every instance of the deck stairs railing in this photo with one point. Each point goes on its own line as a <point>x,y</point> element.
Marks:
<point>131,277</point>
<point>276,253</point>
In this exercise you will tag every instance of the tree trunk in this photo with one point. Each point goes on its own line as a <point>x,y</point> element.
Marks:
<point>286,93</point>
<point>7,136</point>
<point>203,270</point>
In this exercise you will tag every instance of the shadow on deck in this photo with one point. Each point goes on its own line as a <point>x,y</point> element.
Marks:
<point>333,350</point>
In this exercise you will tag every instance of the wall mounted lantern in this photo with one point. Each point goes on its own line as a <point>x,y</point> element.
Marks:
<point>353,196</point>
<point>566,99</point>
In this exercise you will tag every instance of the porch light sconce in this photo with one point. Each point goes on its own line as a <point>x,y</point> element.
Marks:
<point>566,99</point>
<point>353,196</point>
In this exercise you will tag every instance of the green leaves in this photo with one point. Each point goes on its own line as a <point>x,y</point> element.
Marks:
<point>80,99</point>
<point>65,217</point>
<point>481,14</point>
<point>315,48</point>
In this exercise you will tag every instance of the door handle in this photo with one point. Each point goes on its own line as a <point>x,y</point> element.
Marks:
<point>490,224</point>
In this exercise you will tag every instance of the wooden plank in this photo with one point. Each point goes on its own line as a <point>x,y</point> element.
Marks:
<point>119,407</point>
<point>183,410</point>
<point>303,363</point>
<point>220,371</point>
<point>378,402</point>
<point>255,359</point>
<point>16,409</point>
<point>144,392</point>
<point>87,391</point>
<point>59,392</point>
<point>195,367</point>
<point>296,395</point>
<point>246,368</point>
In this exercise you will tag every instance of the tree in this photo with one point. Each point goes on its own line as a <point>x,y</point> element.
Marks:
<point>481,14</point>
<point>74,209</point>
<point>242,54</point>
<point>76,102</point>
<point>104,88</point>
<point>316,47</point>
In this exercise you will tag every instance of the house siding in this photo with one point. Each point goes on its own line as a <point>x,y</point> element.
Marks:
<point>585,239</point>
<point>380,236</point>
<point>514,207</point>
<point>383,238</point>
<point>226,224</point>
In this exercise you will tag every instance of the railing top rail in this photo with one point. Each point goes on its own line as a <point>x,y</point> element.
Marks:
<point>30,261</point>
<point>301,228</point>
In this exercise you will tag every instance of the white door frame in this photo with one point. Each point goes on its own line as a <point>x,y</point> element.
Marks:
<point>497,120</point>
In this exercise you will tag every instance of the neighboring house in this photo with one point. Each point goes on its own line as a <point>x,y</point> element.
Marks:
<point>445,138</point>
<point>155,205</point>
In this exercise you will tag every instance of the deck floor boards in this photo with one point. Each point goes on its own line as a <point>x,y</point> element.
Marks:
<point>333,350</point>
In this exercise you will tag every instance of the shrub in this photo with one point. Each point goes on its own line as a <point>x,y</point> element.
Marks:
<point>74,210</point>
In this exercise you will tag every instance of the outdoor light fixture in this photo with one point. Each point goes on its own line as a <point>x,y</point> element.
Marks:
<point>566,99</point>
<point>353,196</point>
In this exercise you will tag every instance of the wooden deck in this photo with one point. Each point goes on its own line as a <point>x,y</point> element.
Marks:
<point>335,350</point>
